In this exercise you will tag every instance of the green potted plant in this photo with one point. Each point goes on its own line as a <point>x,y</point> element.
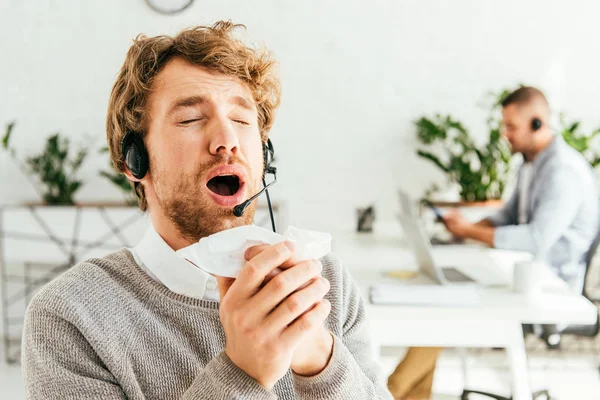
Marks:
<point>582,142</point>
<point>56,168</point>
<point>479,170</point>
<point>70,229</point>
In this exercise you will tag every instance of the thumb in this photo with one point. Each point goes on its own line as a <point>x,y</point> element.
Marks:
<point>224,284</point>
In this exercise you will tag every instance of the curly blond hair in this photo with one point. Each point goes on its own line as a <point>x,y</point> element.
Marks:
<point>212,47</point>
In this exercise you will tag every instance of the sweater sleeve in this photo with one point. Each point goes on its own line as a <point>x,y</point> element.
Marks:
<point>352,372</point>
<point>222,379</point>
<point>59,363</point>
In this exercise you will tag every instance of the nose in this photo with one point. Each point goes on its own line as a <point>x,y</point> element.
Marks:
<point>224,139</point>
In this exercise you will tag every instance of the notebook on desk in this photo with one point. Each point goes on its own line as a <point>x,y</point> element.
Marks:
<point>423,294</point>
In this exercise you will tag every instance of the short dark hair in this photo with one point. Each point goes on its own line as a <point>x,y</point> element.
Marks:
<point>523,95</point>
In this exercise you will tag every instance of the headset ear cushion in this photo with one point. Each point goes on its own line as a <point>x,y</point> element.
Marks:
<point>135,155</point>
<point>268,155</point>
<point>268,152</point>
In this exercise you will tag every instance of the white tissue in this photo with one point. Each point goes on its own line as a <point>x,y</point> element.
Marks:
<point>222,254</point>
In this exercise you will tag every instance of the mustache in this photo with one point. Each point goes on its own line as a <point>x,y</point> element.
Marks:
<point>220,159</point>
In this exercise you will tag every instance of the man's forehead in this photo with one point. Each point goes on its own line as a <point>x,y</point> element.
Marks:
<point>180,78</point>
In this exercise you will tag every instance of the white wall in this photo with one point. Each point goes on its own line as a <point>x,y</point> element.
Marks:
<point>355,74</point>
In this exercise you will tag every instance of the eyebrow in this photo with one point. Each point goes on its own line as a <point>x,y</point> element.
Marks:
<point>185,102</point>
<point>193,101</point>
<point>243,102</point>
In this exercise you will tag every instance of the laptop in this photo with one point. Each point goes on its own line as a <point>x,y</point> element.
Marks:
<point>485,270</point>
<point>407,206</point>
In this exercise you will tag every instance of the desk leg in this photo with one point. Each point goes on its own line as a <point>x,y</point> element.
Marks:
<point>463,354</point>
<point>376,348</point>
<point>517,358</point>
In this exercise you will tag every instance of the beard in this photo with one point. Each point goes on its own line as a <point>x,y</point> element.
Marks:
<point>186,204</point>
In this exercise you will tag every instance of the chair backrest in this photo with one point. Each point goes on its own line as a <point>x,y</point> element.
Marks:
<point>589,258</point>
<point>588,265</point>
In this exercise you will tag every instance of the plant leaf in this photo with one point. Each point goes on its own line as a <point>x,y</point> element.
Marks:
<point>6,137</point>
<point>431,157</point>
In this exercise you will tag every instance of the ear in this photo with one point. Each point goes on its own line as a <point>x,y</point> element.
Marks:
<point>130,176</point>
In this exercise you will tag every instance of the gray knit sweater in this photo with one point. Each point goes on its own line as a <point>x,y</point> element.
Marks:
<point>106,330</point>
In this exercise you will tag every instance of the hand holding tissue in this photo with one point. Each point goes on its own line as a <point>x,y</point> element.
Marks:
<point>222,254</point>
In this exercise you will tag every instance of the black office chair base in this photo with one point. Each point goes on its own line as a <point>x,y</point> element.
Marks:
<point>542,394</point>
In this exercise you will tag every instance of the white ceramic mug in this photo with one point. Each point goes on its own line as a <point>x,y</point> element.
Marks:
<point>527,277</point>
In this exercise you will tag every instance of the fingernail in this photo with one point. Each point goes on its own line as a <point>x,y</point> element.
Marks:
<point>317,265</point>
<point>290,245</point>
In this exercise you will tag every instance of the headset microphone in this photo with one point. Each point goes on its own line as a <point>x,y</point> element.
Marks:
<point>239,210</point>
<point>268,154</point>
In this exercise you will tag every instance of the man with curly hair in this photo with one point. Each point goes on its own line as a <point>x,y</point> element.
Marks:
<point>143,323</point>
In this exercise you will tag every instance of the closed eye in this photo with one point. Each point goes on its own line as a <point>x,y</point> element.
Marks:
<point>189,121</point>
<point>239,121</point>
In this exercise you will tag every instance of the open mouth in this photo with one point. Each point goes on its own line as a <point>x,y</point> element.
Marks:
<point>224,185</point>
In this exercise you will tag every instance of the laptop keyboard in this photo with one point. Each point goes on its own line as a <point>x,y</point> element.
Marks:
<point>454,275</point>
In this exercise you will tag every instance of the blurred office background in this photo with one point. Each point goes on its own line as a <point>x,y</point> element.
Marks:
<point>356,75</point>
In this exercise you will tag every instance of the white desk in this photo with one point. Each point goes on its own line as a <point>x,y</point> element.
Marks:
<point>495,321</point>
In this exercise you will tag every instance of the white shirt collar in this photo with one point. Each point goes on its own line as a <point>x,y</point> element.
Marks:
<point>161,263</point>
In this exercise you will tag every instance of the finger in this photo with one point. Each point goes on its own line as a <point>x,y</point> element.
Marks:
<point>286,283</point>
<point>271,275</point>
<point>277,271</point>
<point>224,284</point>
<point>258,267</point>
<point>449,214</point>
<point>449,222</point>
<point>297,304</point>
<point>311,320</point>
<point>253,251</point>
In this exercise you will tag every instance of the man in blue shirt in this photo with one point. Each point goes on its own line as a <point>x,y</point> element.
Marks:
<point>554,214</point>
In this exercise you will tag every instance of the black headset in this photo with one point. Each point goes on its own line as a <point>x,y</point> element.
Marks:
<point>135,155</point>
<point>536,124</point>
<point>269,155</point>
